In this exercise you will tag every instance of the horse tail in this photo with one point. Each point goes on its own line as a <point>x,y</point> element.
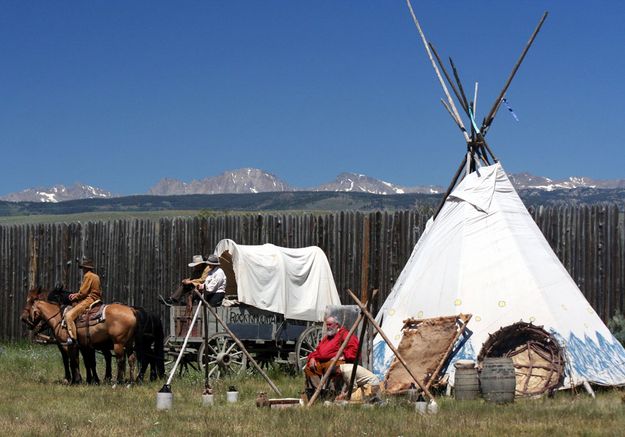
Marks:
<point>149,341</point>
<point>142,338</point>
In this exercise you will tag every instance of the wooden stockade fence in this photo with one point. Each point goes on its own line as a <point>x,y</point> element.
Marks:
<point>140,259</point>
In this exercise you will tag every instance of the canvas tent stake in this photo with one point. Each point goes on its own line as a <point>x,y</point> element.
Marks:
<point>390,345</point>
<point>238,342</point>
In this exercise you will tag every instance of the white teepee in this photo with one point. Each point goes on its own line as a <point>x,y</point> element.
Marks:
<point>485,256</point>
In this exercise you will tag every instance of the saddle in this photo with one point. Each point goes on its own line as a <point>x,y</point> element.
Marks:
<point>95,314</point>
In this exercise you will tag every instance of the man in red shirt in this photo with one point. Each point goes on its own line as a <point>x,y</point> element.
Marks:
<point>319,360</point>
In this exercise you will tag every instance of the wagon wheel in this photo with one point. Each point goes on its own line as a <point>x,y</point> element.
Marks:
<point>170,354</point>
<point>172,348</point>
<point>306,343</point>
<point>224,356</point>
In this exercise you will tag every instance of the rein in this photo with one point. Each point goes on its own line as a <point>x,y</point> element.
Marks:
<point>55,328</point>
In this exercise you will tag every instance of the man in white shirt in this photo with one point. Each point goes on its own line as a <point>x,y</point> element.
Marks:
<point>214,285</point>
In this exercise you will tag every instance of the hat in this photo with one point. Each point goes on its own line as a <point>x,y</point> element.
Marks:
<point>86,263</point>
<point>197,259</point>
<point>213,260</point>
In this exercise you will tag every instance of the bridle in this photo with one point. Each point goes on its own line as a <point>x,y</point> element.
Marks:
<point>38,327</point>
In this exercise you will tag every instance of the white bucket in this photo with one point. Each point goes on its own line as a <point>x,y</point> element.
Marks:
<point>432,407</point>
<point>421,407</point>
<point>208,400</point>
<point>232,396</point>
<point>164,401</point>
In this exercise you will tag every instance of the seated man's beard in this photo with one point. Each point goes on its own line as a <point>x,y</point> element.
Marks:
<point>332,332</point>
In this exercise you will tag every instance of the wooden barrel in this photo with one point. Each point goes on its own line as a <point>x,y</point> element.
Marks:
<point>498,380</point>
<point>466,381</point>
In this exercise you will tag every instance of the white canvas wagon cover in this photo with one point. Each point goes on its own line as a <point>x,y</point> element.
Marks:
<point>295,282</point>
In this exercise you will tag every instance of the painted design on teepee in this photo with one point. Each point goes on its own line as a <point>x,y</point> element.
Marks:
<point>601,361</point>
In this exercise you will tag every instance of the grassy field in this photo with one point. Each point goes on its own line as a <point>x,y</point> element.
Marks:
<point>34,402</point>
<point>93,216</point>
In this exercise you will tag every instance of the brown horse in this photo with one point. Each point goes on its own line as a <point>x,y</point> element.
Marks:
<point>61,297</point>
<point>116,331</point>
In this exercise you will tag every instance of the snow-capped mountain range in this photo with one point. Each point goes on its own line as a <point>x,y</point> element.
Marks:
<point>523,181</point>
<point>58,193</point>
<point>245,180</point>
<point>252,180</point>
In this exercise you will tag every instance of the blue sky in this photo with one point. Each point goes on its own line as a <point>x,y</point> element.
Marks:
<point>120,94</point>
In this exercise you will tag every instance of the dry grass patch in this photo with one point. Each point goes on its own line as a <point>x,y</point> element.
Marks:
<point>34,402</point>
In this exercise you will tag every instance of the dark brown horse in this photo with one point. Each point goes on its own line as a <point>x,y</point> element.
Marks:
<point>116,332</point>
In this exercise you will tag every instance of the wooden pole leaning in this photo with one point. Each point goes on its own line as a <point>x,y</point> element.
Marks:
<point>464,319</point>
<point>329,370</point>
<point>238,342</point>
<point>363,331</point>
<point>438,74</point>
<point>206,382</point>
<point>451,186</point>
<point>491,115</point>
<point>377,327</point>
<point>184,345</point>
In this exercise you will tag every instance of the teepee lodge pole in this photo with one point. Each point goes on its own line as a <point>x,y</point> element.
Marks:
<point>452,115</point>
<point>451,84</point>
<point>457,77</point>
<point>491,115</point>
<point>451,186</point>
<point>450,101</point>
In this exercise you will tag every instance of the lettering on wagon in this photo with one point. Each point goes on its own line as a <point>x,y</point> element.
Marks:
<point>255,319</point>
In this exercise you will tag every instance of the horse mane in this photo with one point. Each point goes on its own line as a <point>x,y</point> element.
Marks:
<point>59,295</point>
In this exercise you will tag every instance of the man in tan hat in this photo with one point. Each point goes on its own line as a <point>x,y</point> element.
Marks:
<point>89,292</point>
<point>200,272</point>
<point>214,286</point>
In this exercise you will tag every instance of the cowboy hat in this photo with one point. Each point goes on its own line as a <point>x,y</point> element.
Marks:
<point>197,259</point>
<point>212,260</point>
<point>86,263</point>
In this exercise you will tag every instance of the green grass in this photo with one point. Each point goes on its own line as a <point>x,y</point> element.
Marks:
<point>93,216</point>
<point>34,402</point>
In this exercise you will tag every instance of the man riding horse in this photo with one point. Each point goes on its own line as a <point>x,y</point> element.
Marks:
<point>90,292</point>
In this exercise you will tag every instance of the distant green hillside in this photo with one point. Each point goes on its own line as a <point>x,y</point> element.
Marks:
<point>300,200</point>
<point>141,206</point>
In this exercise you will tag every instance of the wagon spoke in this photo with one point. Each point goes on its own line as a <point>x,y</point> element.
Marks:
<point>230,348</point>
